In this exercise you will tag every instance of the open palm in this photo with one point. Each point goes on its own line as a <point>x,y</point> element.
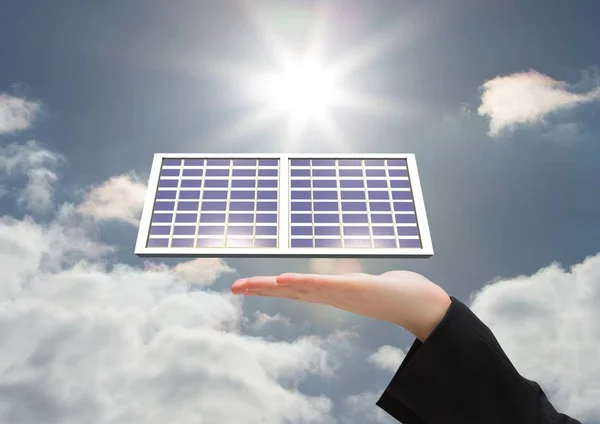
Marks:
<point>401,297</point>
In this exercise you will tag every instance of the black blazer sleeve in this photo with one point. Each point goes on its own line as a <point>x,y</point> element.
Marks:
<point>461,375</point>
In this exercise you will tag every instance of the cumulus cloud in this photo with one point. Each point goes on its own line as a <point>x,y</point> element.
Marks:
<point>549,325</point>
<point>262,319</point>
<point>200,272</point>
<point>16,113</point>
<point>387,358</point>
<point>38,166</point>
<point>120,198</point>
<point>360,408</point>
<point>85,341</point>
<point>527,98</point>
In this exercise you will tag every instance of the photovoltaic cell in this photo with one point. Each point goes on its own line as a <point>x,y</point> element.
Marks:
<point>216,203</point>
<point>283,205</point>
<point>352,203</point>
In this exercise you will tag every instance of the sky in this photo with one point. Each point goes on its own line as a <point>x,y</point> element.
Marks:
<point>499,101</point>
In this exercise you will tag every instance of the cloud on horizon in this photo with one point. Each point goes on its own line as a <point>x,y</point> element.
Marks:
<point>527,98</point>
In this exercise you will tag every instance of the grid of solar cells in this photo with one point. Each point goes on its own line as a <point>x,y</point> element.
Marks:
<point>216,203</point>
<point>351,203</point>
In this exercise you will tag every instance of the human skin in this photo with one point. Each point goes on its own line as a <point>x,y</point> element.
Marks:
<point>403,298</point>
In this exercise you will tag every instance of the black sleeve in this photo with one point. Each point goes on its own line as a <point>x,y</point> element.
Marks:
<point>461,375</point>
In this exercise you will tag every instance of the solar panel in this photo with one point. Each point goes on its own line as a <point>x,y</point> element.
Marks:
<point>280,205</point>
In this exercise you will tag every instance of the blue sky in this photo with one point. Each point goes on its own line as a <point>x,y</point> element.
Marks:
<point>498,101</point>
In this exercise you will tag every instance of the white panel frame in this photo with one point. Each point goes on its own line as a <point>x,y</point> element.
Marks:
<point>284,214</point>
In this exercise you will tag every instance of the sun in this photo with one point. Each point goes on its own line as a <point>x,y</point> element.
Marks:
<point>304,87</point>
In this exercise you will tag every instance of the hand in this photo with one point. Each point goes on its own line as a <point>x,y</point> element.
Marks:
<point>400,297</point>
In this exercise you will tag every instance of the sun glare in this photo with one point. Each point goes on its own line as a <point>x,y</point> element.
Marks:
<point>304,88</point>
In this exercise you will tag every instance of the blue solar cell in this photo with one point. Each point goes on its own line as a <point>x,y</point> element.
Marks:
<point>162,217</point>
<point>381,218</point>
<point>323,162</point>
<point>182,242</point>
<point>300,172</point>
<point>352,183</point>
<point>379,195</point>
<point>263,230</point>
<point>399,183</point>
<point>300,162</point>
<point>302,231</point>
<point>408,231</point>
<point>383,231</point>
<point>265,242</point>
<point>186,217</point>
<point>328,243</point>
<point>326,218</point>
<point>266,195</point>
<point>218,162</point>
<point>323,173</point>
<point>268,162</point>
<point>267,183</point>
<point>323,195</point>
<point>160,230</point>
<point>356,242</point>
<point>187,230</point>
<point>327,231</point>
<point>239,195</point>
<point>168,183</point>
<point>402,195</point>
<point>396,162</point>
<point>325,206</point>
<point>353,207</point>
<point>164,206</point>
<point>375,172</point>
<point>355,218</point>
<point>410,243</point>
<point>403,206</point>
<point>212,217</point>
<point>191,183</point>
<point>171,162</point>
<point>246,230</point>
<point>194,162</point>
<point>377,183</point>
<point>166,194</point>
<point>213,195</point>
<point>356,231</point>
<point>301,206</point>
<point>300,195</point>
<point>192,172</point>
<point>189,195</point>
<point>266,206</point>
<point>374,162</point>
<point>299,218</point>
<point>349,162</point>
<point>384,243</point>
<point>170,172</point>
<point>351,173</point>
<point>244,162</point>
<point>268,172</point>
<point>211,230</point>
<point>379,206</point>
<point>324,183</point>
<point>217,172</point>
<point>242,206</point>
<point>187,206</point>
<point>266,217</point>
<point>243,183</point>
<point>158,242</point>
<point>210,242</point>
<point>301,243</point>
<point>241,218</point>
<point>300,184</point>
<point>244,172</point>
<point>352,195</point>
<point>406,218</point>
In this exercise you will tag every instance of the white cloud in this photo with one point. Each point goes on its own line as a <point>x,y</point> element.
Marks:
<point>527,98</point>
<point>361,408</point>
<point>119,198</point>
<point>16,113</point>
<point>262,319</point>
<point>387,358</point>
<point>549,325</point>
<point>201,272</point>
<point>38,165</point>
<point>88,341</point>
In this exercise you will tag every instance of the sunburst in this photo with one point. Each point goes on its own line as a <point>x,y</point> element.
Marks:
<point>304,89</point>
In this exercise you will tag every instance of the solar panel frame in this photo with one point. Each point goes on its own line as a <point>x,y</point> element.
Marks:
<point>284,213</point>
